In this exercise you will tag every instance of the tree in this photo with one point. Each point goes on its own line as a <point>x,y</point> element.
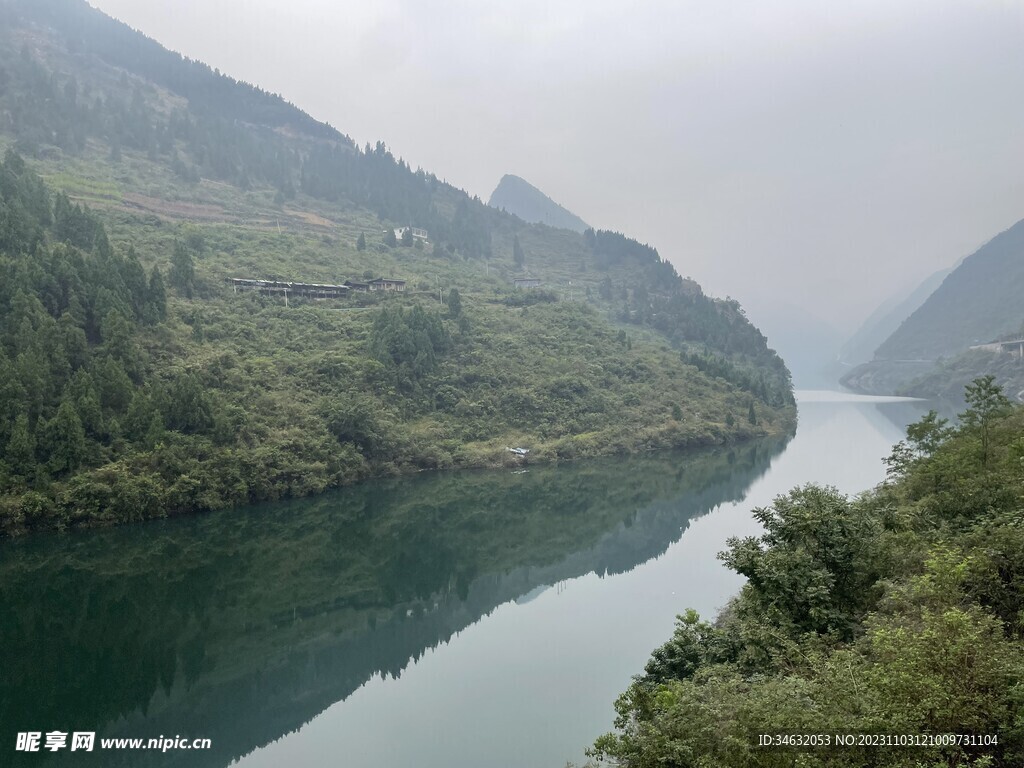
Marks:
<point>82,392</point>
<point>12,394</point>
<point>814,568</point>
<point>357,421</point>
<point>113,384</point>
<point>65,439</point>
<point>407,238</point>
<point>188,406</point>
<point>134,277</point>
<point>986,402</point>
<point>154,432</point>
<point>928,434</point>
<point>116,334</point>
<point>156,298</point>
<point>21,448</point>
<point>140,413</point>
<point>923,438</point>
<point>183,272</point>
<point>361,242</point>
<point>752,414</point>
<point>518,257</point>
<point>454,303</point>
<point>940,662</point>
<point>692,643</point>
<point>390,239</point>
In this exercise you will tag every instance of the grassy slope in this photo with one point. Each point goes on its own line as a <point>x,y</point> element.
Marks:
<point>566,378</point>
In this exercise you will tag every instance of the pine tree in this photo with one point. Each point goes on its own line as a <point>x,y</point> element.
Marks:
<point>21,448</point>
<point>361,242</point>
<point>113,384</point>
<point>66,439</point>
<point>12,395</point>
<point>183,271</point>
<point>518,257</point>
<point>986,401</point>
<point>81,391</point>
<point>752,414</point>
<point>390,239</point>
<point>154,432</point>
<point>118,341</point>
<point>454,303</point>
<point>156,299</point>
<point>101,243</point>
<point>140,414</point>
<point>188,406</point>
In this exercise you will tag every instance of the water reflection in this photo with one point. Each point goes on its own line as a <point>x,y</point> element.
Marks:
<point>243,626</point>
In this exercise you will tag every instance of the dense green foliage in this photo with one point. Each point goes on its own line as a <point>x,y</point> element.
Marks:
<point>120,402</point>
<point>899,612</point>
<point>184,115</point>
<point>135,383</point>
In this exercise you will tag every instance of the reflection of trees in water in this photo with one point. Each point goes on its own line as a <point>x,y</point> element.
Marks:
<point>243,626</point>
<point>900,414</point>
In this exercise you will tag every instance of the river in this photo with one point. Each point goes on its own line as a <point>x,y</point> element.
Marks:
<point>452,619</point>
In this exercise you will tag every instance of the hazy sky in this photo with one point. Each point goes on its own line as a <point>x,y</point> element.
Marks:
<point>817,153</point>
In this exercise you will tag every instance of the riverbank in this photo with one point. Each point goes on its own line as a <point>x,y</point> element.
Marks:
<point>898,613</point>
<point>130,491</point>
<point>363,624</point>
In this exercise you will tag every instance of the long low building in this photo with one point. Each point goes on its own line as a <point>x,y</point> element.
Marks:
<point>304,290</point>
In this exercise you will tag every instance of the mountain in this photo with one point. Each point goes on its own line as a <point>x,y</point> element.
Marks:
<point>977,303</point>
<point>520,198</point>
<point>883,322</point>
<point>144,371</point>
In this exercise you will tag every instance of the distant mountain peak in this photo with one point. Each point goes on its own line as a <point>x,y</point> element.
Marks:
<point>521,198</point>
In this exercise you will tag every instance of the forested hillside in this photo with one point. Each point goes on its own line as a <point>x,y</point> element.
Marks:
<point>883,322</point>
<point>136,383</point>
<point>898,614</point>
<point>948,377</point>
<point>978,302</point>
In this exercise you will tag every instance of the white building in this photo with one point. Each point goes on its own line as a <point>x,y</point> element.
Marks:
<point>417,233</point>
